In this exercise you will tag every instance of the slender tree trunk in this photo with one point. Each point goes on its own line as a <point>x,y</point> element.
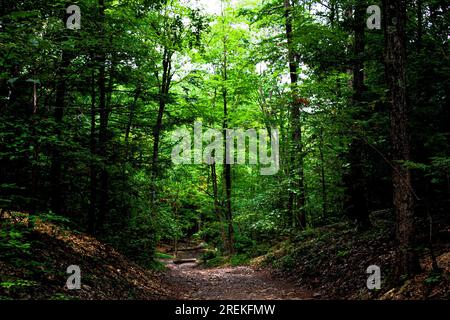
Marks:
<point>157,136</point>
<point>103,130</point>
<point>217,204</point>
<point>227,166</point>
<point>164,89</point>
<point>217,208</point>
<point>34,167</point>
<point>130,122</point>
<point>296,199</point>
<point>93,166</point>
<point>359,50</point>
<point>395,60</point>
<point>323,178</point>
<point>357,183</point>
<point>128,132</point>
<point>126,156</point>
<point>56,168</point>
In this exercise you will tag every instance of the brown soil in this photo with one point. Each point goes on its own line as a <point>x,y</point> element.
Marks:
<point>105,273</point>
<point>230,283</point>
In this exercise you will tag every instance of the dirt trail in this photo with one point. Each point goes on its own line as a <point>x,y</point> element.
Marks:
<point>194,282</point>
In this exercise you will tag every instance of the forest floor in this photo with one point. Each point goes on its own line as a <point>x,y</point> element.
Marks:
<point>231,283</point>
<point>327,263</point>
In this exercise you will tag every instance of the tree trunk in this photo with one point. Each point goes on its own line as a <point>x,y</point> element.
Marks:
<point>323,178</point>
<point>56,203</point>
<point>103,130</point>
<point>395,59</point>
<point>164,89</point>
<point>227,166</point>
<point>93,165</point>
<point>130,122</point>
<point>296,199</point>
<point>217,208</point>
<point>127,144</point>
<point>357,181</point>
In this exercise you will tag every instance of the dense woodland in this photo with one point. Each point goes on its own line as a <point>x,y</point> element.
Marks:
<point>88,116</point>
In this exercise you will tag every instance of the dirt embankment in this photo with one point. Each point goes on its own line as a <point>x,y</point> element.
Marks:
<point>41,271</point>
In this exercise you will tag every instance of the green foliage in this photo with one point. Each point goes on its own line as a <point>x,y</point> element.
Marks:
<point>156,265</point>
<point>212,258</point>
<point>243,242</point>
<point>239,260</point>
<point>342,253</point>
<point>160,255</point>
<point>16,284</point>
<point>14,239</point>
<point>212,233</point>
<point>433,279</point>
<point>286,263</point>
<point>138,240</point>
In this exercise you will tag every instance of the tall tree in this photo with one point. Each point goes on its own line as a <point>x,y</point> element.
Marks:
<point>356,184</point>
<point>104,115</point>
<point>92,146</point>
<point>227,166</point>
<point>164,89</point>
<point>403,195</point>
<point>297,192</point>
<point>57,202</point>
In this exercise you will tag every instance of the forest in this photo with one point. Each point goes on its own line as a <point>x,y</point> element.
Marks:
<point>224,149</point>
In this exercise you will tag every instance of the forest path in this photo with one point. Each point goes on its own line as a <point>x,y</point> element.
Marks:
<point>194,282</point>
